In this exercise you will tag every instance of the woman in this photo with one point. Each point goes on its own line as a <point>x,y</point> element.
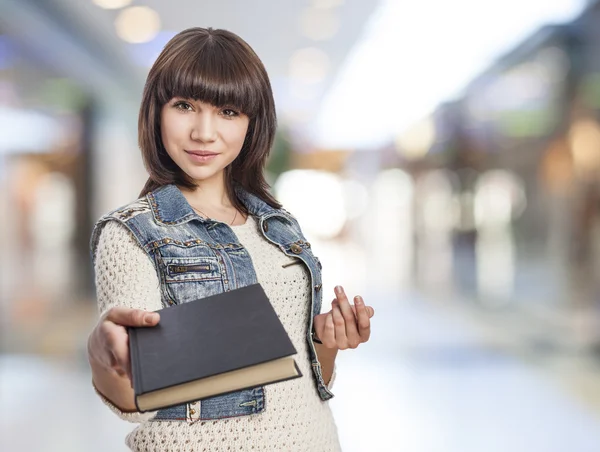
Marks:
<point>205,223</point>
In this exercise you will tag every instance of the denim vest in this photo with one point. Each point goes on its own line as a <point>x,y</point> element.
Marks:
<point>196,257</point>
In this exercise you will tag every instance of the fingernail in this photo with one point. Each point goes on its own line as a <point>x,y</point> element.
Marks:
<point>338,289</point>
<point>149,318</point>
<point>358,300</point>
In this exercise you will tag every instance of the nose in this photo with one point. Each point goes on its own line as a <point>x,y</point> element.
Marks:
<point>205,128</point>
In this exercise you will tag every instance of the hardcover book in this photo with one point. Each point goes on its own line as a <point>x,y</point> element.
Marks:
<point>211,346</point>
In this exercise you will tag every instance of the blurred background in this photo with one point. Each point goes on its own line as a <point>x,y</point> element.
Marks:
<point>442,157</point>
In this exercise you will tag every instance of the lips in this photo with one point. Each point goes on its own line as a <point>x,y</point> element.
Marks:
<point>202,153</point>
<point>201,157</point>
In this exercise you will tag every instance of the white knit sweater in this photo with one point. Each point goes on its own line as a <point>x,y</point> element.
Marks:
<point>295,418</point>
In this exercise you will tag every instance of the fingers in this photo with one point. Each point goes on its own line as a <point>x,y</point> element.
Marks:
<point>362,318</point>
<point>122,363</point>
<point>339,325</point>
<point>109,342</point>
<point>370,310</point>
<point>113,345</point>
<point>346,325</point>
<point>96,348</point>
<point>132,317</point>
<point>328,338</point>
<point>351,330</point>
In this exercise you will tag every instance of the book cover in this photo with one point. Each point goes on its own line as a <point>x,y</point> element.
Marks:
<point>206,338</point>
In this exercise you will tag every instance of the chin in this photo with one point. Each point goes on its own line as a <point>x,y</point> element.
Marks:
<point>201,174</point>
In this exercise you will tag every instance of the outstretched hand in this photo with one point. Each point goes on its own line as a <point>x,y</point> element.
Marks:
<point>345,326</point>
<point>108,344</point>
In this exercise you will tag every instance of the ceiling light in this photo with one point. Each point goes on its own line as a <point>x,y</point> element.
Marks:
<point>137,24</point>
<point>112,4</point>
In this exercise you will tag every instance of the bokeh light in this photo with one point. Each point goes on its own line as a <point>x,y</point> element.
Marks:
<point>112,4</point>
<point>309,65</point>
<point>325,215</point>
<point>416,141</point>
<point>319,24</point>
<point>137,24</point>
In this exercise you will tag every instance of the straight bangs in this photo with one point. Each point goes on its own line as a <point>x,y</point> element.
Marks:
<point>212,74</point>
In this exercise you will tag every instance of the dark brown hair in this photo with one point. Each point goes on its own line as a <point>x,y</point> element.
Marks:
<point>219,68</point>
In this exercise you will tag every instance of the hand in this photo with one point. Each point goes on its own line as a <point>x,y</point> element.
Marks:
<point>108,343</point>
<point>346,325</point>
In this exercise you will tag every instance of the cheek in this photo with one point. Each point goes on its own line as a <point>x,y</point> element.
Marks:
<point>237,134</point>
<point>165,128</point>
<point>171,130</point>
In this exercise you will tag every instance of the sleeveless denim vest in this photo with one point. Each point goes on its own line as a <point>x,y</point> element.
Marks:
<point>196,257</point>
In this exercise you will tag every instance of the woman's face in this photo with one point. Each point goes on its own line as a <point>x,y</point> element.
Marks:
<point>200,138</point>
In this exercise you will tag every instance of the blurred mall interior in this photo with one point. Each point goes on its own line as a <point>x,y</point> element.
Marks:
<point>442,157</point>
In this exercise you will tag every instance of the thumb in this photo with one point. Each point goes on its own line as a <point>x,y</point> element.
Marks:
<point>132,317</point>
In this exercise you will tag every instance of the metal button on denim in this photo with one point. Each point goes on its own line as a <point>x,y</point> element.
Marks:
<point>296,249</point>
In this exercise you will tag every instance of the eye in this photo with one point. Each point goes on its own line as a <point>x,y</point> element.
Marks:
<point>229,113</point>
<point>182,105</point>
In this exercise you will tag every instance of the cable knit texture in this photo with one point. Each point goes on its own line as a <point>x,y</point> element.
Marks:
<point>295,418</point>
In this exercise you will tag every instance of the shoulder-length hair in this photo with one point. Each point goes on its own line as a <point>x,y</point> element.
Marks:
<point>219,68</point>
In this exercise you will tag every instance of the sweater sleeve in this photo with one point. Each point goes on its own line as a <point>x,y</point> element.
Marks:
<point>125,277</point>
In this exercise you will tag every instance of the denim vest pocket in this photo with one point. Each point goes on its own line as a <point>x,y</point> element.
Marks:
<point>191,278</point>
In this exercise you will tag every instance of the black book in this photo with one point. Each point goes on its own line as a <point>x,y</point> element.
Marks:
<point>215,345</point>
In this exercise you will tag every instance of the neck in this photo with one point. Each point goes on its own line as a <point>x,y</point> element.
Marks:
<point>208,193</point>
